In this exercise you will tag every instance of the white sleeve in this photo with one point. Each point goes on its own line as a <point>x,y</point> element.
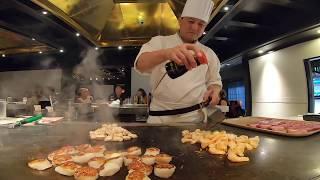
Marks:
<point>152,45</point>
<point>213,74</point>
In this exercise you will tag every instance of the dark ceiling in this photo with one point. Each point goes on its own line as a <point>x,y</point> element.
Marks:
<point>250,23</point>
<point>246,25</point>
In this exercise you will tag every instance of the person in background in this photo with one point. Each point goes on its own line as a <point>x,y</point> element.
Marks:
<point>119,93</point>
<point>84,96</point>
<point>142,96</point>
<point>235,110</point>
<point>179,100</point>
<point>223,98</point>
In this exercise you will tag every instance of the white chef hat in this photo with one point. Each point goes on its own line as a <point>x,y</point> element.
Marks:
<point>200,9</point>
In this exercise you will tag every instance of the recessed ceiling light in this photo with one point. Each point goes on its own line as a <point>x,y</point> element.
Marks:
<point>119,47</point>
<point>33,39</point>
<point>40,52</point>
<point>44,12</point>
<point>269,52</point>
<point>226,8</point>
<point>228,64</point>
<point>96,48</point>
<point>78,34</point>
<point>260,51</point>
<point>318,31</point>
<point>61,50</point>
<point>204,33</point>
<point>3,55</point>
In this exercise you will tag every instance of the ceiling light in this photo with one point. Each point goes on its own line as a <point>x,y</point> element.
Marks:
<point>228,64</point>
<point>78,34</point>
<point>119,47</point>
<point>226,8</point>
<point>44,12</point>
<point>40,52</point>
<point>3,55</point>
<point>96,48</point>
<point>33,39</point>
<point>204,33</point>
<point>318,31</point>
<point>61,50</point>
<point>260,51</point>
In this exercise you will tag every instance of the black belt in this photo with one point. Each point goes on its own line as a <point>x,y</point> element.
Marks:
<point>179,111</point>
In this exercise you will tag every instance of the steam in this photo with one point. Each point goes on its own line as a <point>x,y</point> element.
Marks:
<point>91,73</point>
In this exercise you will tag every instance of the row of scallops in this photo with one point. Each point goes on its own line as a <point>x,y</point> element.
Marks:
<point>89,162</point>
<point>112,132</point>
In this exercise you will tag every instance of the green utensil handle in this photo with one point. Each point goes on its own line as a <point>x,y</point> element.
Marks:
<point>31,119</point>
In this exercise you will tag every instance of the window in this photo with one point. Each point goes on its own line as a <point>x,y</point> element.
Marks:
<point>236,91</point>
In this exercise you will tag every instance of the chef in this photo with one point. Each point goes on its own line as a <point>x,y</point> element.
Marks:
<point>181,99</point>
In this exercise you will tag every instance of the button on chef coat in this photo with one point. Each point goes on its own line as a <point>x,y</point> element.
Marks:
<point>186,90</point>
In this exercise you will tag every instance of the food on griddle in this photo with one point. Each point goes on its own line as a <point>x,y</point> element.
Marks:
<point>164,170</point>
<point>163,158</point>
<point>129,158</point>
<point>82,147</point>
<point>97,151</point>
<point>63,151</point>
<point>221,143</point>
<point>86,173</point>
<point>134,150</point>
<point>109,169</point>
<point>40,164</point>
<point>112,132</point>
<point>111,155</point>
<point>86,162</point>
<point>138,165</point>
<point>67,169</point>
<point>152,151</point>
<point>286,126</point>
<point>137,175</point>
<point>82,157</point>
<point>96,162</point>
<point>60,159</point>
<point>148,159</point>
<point>117,160</point>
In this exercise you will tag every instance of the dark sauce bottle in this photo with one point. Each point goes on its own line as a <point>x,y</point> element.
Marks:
<point>174,70</point>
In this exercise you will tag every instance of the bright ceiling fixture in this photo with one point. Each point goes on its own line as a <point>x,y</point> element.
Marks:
<point>3,55</point>
<point>96,48</point>
<point>40,52</point>
<point>260,51</point>
<point>77,34</point>
<point>33,39</point>
<point>204,33</point>
<point>119,47</point>
<point>226,8</point>
<point>44,12</point>
<point>61,50</point>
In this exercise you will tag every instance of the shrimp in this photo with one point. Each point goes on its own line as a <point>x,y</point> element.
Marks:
<point>234,158</point>
<point>214,150</point>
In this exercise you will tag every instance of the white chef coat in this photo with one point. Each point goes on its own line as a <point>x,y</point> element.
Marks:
<point>184,91</point>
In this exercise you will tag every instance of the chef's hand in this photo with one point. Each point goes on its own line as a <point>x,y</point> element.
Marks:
<point>182,55</point>
<point>213,92</point>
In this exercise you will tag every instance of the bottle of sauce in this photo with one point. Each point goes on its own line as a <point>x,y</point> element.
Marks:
<point>175,70</point>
